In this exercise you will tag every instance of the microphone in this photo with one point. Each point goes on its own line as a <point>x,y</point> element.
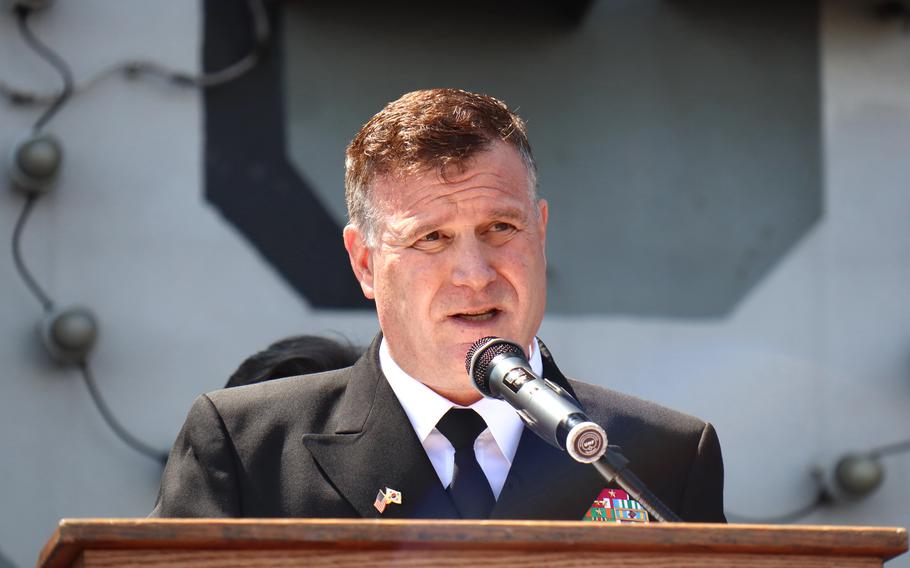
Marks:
<point>500,369</point>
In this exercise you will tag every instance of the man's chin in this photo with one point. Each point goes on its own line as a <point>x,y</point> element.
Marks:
<point>460,353</point>
<point>451,363</point>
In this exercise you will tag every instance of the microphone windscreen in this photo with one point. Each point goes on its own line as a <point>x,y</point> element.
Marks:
<point>480,356</point>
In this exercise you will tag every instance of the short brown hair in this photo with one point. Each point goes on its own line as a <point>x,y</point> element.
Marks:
<point>433,129</point>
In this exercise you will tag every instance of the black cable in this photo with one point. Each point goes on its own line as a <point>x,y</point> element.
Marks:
<point>137,68</point>
<point>27,277</point>
<point>122,433</point>
<point>823,497</point>
<point>47,304</point>
<point>261,32</point>
<point>895,448</point>
<point>54,60</point>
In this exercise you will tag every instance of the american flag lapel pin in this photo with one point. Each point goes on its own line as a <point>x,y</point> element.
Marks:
<point>386,497</point>
<point>379,503</point>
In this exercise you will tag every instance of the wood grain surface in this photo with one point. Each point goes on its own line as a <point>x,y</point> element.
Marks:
<point>327,542</point>
<point>443,559</point>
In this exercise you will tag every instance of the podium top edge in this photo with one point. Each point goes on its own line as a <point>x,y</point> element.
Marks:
<point>75,535</point>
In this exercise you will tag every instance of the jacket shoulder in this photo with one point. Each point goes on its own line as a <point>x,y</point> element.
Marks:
<point>677,455</point>
<point>305,402</point>
<point>625,412</point>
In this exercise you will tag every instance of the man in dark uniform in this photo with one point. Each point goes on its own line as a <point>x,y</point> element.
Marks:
<point>447,235</point>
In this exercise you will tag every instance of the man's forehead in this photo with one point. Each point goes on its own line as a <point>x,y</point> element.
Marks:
<point>499,169</point>
<point>450,200</point>
<point>452,212</point>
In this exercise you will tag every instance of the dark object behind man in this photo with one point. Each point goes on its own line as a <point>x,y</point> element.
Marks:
<point>292,356</point>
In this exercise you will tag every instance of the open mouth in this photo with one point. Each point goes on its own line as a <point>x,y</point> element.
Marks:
<point>477,316</point>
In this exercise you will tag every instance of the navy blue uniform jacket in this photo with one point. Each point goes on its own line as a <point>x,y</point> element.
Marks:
<point>323,445</point>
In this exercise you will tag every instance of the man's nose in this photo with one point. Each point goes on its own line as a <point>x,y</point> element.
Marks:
<point>472,265</point>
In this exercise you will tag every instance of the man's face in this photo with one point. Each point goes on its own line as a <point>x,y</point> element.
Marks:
<point>455,260</point>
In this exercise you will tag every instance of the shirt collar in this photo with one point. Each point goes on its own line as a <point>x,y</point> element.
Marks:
<point>424,407</point>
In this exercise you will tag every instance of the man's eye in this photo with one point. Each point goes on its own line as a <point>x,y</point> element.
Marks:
<point>502,227</point>
<point>430,241</point>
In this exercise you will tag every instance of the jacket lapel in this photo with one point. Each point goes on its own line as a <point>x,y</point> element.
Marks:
<point>544,482</point>
<point>374,447</point>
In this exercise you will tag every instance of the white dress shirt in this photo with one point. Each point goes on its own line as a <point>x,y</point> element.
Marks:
<point>495,447</point>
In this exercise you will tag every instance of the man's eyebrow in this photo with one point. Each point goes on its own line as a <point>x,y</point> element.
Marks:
<point>424,228</point>
<point>509,214</point>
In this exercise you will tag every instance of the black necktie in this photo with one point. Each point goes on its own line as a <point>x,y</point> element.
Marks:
<point>469,489</point>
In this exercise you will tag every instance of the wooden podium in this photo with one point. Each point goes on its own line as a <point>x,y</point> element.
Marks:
<point>516,544</point>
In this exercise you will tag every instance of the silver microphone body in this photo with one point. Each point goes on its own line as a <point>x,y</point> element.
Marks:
<point>500,369</point>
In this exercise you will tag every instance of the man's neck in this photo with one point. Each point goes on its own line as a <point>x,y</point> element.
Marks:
<point>459,397</point>
<point>467,395</point>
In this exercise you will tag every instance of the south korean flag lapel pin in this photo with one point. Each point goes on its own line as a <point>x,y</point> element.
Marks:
<point>386,497</point>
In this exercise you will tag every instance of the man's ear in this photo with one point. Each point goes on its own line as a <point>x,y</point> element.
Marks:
<point>543,211</point>
<point>361,259</point>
